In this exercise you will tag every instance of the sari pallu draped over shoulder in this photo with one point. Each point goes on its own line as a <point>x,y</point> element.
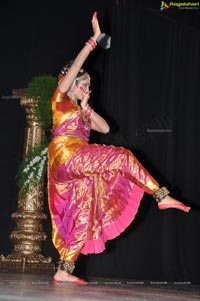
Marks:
<point>94,190</point>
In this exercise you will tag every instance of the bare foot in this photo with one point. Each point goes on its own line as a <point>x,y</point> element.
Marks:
<point>62,276</point>
<point>169,202</point>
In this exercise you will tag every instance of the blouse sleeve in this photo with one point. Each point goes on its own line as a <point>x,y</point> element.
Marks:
<point>58,95</point>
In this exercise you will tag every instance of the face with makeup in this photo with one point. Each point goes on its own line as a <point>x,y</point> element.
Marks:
<point>81,87</point>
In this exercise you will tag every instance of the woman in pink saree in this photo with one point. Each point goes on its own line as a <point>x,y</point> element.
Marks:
<point>94,190</point>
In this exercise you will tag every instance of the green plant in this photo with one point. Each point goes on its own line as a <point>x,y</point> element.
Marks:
<point>41,88</point>
<point>33,167</point>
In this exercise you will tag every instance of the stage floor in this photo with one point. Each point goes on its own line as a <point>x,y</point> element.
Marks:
<point>37,287</point>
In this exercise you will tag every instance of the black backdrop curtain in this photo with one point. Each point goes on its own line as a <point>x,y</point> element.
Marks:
<point>149,92</point>
<point>151,89</point>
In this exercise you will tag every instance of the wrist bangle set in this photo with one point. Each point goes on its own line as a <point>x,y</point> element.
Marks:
<point>88,111</point>
<point>91,43</point>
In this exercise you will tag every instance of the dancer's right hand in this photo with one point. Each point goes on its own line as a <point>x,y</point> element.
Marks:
<point>95,26</point>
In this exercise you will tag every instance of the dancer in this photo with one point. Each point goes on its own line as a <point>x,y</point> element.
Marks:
<point>94,190</point>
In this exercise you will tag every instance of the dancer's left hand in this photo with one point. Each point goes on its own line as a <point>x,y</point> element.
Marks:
<point>85,98</point>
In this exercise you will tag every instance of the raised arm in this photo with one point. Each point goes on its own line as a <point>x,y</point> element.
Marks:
<point>80,58</point>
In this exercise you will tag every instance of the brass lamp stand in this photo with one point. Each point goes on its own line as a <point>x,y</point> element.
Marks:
<point>28,235</point>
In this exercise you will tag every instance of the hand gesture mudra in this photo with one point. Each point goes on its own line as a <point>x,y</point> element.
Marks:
<point>95,26</point>
<point>86,96</point>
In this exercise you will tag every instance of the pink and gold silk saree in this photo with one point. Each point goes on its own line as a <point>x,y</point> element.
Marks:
<point>94,190</point>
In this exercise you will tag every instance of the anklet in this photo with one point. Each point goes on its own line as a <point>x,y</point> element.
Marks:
<point>160,194</point>
<point>66,266</point>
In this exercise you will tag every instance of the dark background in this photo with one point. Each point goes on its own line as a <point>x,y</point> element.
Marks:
<point>147,86</point>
